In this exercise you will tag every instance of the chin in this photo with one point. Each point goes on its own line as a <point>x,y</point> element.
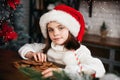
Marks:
<point>58,43</point>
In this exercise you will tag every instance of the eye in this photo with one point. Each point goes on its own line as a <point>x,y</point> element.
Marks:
<point>61,27</point>
<point>50,29</point>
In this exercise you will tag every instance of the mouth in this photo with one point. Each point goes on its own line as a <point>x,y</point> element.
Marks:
<point>55,39</point>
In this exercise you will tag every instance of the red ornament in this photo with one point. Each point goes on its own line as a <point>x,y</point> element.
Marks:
<point>13,3</point>
<point>10,36</point>
<point>7,32</point>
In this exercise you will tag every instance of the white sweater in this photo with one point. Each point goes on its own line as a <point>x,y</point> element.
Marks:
<point>58,54</point>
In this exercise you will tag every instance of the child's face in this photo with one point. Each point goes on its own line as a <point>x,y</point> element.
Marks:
<point>57,32</point>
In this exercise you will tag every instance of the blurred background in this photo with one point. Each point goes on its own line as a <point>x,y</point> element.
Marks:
<point>102,19</point>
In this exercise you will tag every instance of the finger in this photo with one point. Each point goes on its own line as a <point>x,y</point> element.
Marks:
<point>42,57</point>
<point>45,57</point>
<point>39,57</point>
<point>46,71</point>
<point>35,57</point>
<point>49,74</point>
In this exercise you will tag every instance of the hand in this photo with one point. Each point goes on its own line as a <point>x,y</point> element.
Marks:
<point>49,72</point>
<point>37,56</point>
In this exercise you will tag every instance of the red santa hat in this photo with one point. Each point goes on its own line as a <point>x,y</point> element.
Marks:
<point>66,16</point>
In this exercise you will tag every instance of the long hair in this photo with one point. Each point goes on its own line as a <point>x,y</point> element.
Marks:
<point>70,44</point>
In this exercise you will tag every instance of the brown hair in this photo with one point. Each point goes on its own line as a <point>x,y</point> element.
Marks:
<point>70,43</point>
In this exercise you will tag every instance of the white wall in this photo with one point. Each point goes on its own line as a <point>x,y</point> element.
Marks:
<point>108,11</point>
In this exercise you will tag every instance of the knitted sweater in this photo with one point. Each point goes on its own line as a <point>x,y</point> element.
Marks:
<point>76,61</point>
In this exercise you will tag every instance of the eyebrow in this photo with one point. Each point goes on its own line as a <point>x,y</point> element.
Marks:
<point>55,26</point>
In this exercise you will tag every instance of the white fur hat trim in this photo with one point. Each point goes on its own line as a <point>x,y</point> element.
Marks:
<point>61,17</point>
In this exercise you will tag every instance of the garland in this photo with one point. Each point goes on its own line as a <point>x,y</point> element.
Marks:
<point>12,34</point>
<point>7,9</point>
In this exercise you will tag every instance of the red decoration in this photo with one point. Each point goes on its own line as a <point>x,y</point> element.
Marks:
<point>10,36</point>
<point>7,32</point>
<point>13,3</point>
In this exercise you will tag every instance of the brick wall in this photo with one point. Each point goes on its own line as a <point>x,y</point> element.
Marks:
<point>26,13</point>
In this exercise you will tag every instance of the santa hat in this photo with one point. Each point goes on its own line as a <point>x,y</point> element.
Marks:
<point>66,16</point>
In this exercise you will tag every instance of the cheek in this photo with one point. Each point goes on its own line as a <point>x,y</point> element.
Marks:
<point>50,35</point>
<point>65,34</point>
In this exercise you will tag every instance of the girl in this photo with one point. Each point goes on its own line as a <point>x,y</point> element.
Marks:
<point>63,28</point>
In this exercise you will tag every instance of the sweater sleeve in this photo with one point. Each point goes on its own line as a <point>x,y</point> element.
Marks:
<point>88,64</point>
<point>34,47</point>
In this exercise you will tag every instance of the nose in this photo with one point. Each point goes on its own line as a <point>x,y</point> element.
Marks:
<point>56,32</point>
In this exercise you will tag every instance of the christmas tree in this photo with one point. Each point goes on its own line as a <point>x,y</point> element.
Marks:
<point>12,34</point>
